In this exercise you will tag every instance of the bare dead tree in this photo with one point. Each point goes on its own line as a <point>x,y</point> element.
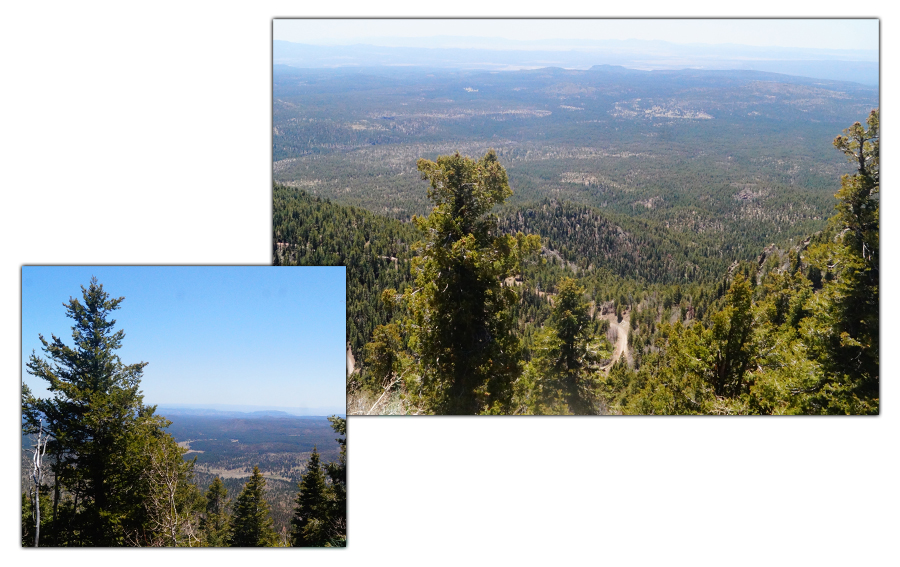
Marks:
<point>166,522</point>
<point>37,475</point>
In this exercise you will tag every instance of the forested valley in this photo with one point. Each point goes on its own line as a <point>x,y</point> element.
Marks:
<point>634,243</point>
<point>101,469</point>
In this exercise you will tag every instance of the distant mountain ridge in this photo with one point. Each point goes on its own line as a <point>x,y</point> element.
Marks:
<point>844,65</point>
<point>226,410</point>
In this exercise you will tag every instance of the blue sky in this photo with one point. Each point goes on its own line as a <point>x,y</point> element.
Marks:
<point>852,34</point>
<point>241,335</point>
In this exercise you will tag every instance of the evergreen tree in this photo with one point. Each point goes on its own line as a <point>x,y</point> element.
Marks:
<point>804,341</point>
<point>252,523</point>
<point>311,524</point>
<point>570,321</point>
<point>561,376</point>
<point>459,323</point>
<point>383,355</point>
<point>729,342</point>
<point>843,329</point>
<point>94,417</point>
<point>337,473</point>
<point>699,369</point>
<point>215,524</point>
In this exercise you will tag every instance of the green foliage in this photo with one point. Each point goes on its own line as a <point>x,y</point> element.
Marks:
<point>729,340</point>
<point>804,341</point>
<point>677,380</point>
<point>646,215</point>
<point>172,501</point>
<point>458,309</point>
<point>28,516</point>
<point>631,248</point>
<point>215,523</point>
<point>337,473</point>
<point>383,355</point>
<point>99,427</point>
<point>842,331</point>
<point>251,523</point>
<point>561,377</point>
<point>320,515</point>
<point>311,524</point>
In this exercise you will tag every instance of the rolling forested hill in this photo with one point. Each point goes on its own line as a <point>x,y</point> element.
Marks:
<point>742,156</point>
<point>653,190</point>
<point>228,445</point>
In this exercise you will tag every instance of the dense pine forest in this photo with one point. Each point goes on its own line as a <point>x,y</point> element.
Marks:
<point>747,299</point>
<point>101,470</point>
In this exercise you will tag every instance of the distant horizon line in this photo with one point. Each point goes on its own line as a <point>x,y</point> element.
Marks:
<point>586,43</point>
<point>251,408</point>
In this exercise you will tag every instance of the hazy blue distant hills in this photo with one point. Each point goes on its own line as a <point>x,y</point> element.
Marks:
<point>740,75</point>
<point>497,54</point>
<point>246,412</point>
<point>360,78</point>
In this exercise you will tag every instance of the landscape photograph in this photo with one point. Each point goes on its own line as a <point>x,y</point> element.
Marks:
<point>588,216</point>
<point>183,406</point>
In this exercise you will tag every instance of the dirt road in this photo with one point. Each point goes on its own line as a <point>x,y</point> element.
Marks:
<point>621,339</point>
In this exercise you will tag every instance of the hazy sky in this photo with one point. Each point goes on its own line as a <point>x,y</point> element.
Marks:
<point>257,335</point>
<point>809,33</point>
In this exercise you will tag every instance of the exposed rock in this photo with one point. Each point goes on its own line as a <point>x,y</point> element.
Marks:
<point>351,362</point>
<point>734,266</point>
<point>765,254</point>
<point>607,308</point>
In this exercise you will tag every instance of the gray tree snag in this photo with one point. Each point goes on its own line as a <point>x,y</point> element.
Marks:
<point>37,475</point>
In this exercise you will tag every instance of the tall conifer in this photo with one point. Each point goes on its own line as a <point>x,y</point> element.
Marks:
<point>215,523</point>
<point>252,523</point>
<point>460,325</point>
<point>311,524</point>
<point>93,417</point>
<point>337,473</point>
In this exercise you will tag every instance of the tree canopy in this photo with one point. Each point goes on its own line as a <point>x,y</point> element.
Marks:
<point>458,308</point>
<point>101,432</point>
<point>252,522</point>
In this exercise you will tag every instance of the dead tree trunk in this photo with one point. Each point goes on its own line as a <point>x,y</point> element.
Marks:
<point>37,475</point>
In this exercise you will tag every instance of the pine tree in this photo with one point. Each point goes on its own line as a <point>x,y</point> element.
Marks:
<point>383,355</point>
<point>570,320</point>
<point>311,524</point>
<point>843,329</point>
<point>729,343</point>
<point>459,323</point>
<point>252,523</point>
<point>215,524</point>
<point>561,376</point>
<point>93,418</point>
<point>337,473</point>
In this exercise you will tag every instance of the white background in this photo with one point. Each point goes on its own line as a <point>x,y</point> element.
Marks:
<point>141,134</point>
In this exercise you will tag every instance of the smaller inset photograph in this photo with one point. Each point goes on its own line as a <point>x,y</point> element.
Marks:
<point>183,406</point>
